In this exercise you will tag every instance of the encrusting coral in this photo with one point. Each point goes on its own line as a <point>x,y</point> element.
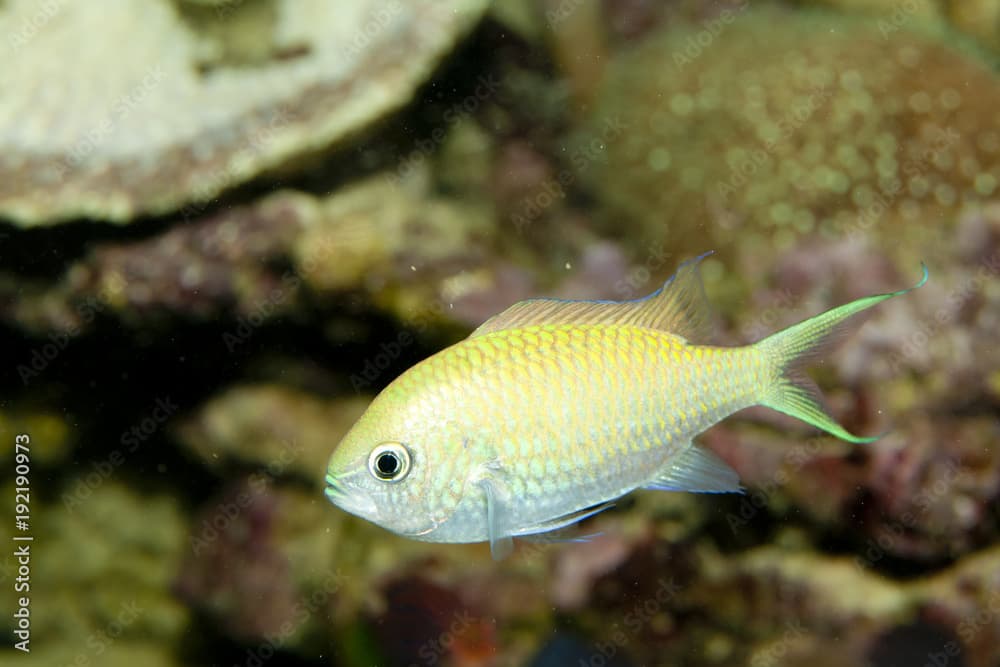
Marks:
<point>157,106</point>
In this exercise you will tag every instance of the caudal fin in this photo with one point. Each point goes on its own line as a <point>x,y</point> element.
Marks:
<point>790,350</point>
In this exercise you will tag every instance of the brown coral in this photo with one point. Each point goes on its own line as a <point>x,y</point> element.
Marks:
<point>826,123</point>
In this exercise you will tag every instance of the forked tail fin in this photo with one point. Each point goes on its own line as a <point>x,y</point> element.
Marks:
<point>790,350</point>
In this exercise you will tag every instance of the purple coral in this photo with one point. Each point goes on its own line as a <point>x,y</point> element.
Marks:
<point>235,570</point>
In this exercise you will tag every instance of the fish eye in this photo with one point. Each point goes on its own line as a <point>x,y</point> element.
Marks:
<point>389,462</point>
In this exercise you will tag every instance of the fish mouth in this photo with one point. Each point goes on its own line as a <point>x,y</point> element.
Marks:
<point>348,500</point>
<point>333,492</point>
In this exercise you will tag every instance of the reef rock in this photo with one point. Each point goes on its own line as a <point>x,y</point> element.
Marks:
<point>277,429</point>
<point>110,112</point>
<point>102,562</point>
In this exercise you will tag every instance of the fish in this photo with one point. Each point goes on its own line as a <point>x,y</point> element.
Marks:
<point>554,409</point>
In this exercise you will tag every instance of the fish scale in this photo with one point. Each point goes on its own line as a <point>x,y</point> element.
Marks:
<point>553,409</point>
<point>651,374</point>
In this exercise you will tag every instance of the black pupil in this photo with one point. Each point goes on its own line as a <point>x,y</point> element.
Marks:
<point>387,464</point>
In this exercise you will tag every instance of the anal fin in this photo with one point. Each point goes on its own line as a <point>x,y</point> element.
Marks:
<point>697,470</point>
<point>557,529</point>
<point>560,536</point>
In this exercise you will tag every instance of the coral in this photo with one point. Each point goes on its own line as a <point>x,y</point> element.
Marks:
<point>105,653</point>
<point>255,261</point>
<point>934,487</point>
<point>827,125</point>
<point>463,163</point>
<point>203,99</point>
<point>230,260</point>
<point>966,598</point>
<point>919,371</point>
<point>50,432</point>
<point>258,563</point>
<point>577,42</point>
<point>99,577</point>
<point>792,608</point>
<point>419,257</point>
<point>980,18</point>
<point>226,262</point>
<point>424,621</point>
<point>925,492</point>
<point>277,429</point>
<point>893,9</point>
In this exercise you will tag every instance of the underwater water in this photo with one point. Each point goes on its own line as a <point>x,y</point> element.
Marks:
<point>227,225</point>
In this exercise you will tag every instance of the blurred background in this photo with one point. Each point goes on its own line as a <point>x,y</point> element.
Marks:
<point>225,225</point>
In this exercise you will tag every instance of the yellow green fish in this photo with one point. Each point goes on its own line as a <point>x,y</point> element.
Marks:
<point>552,409</point>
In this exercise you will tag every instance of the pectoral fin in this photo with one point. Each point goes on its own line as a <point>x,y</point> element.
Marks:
<point>698,470</point>
<point>501,543</point>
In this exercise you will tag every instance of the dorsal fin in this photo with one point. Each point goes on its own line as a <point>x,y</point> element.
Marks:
<point>679,307</point>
